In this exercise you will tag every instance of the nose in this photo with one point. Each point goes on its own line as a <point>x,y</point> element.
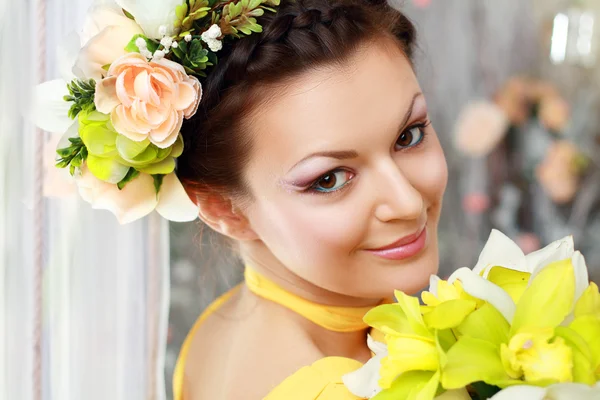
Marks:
<point>397,198</point>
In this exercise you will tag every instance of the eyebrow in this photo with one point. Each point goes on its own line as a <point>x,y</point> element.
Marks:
<point>349,154</point>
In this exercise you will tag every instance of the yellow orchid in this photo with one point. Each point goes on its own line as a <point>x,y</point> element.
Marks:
<point>535,347</point>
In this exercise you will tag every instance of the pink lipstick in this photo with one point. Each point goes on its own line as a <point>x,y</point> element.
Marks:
<point>404,248</point>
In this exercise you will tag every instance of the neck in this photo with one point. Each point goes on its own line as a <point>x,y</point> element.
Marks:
<point>265,263</point>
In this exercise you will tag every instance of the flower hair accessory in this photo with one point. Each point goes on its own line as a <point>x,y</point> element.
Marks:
<point>128,81</point>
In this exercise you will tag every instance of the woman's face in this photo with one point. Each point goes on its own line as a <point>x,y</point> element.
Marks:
<point>347,178</point>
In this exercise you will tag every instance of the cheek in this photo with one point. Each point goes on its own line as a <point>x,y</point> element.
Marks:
<point>303,232</point>
<point>428,173</point>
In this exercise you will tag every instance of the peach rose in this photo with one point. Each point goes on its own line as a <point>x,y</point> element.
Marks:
<point>554,113</point>
<point>479,128</point>
<point>558,173</point>
<point>148,100</point>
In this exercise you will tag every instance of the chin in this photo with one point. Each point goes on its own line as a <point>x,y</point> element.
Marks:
<point>412,275</point>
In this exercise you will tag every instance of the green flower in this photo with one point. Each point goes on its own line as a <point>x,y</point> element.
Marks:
<point>111,155</point>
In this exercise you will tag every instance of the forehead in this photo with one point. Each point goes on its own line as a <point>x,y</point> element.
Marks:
<point>338,107</point>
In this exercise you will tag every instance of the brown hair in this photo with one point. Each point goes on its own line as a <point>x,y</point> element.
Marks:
<point>303,34</point>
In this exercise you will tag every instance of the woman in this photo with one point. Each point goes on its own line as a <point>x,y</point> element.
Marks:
<point>317,159</point>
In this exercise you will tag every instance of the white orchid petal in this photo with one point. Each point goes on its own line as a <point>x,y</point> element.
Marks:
<point>364,381</point>
<point>376,347</point>
<point>483,289</point>
<point>66,56</point>
<point>152,14</point>
<point>521,392</point>
<point>174,203</point>
<point>433,284</point>
<point>582,279</point>
<point>500,251</point>
<point>555,251</point>
<point>50,111</point>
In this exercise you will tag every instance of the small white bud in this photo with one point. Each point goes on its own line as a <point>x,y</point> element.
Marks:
<point>175,45</point>
<point>214,45</point>
<point>188,38</point>
<point>214,31</point>
<point>146,53</point>
<point>162,30</point>
<point>141,43</point>
<point>158,55</point>
<point>167,41</point>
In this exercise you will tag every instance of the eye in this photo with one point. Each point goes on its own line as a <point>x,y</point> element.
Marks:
<point>332,181</point>
<point>410,137</point>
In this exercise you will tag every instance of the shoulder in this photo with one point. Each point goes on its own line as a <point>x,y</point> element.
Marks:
<point>253,349</point>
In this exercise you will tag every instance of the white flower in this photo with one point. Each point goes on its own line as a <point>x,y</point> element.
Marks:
<point>138,198</point>
<point>560,391</point>
<point>210,37</point>
<point>156,17</point>
<point>214,45</point>
<point>106,32</point>
<point>500,251</point>
<point>213,32</point>
<point>188,38</point>
<point>175,45</point>
<point>167,42</point>
<point>158,55</point>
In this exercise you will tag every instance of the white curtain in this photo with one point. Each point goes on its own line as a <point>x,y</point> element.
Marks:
<point>93,292</point>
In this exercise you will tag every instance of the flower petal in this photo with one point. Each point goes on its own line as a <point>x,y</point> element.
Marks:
<point>500,250</point>
<point>174,203</point>
<point>482,289</point>
<point>50,111</point>
<point>152,14</point>
<point>521,392</point>
<point>412,385</point>
<point>486,323</point>
<point>555,251</point>
<point>168,132</point>
<point>102,14</point>
<point>552,290</point>
<point>66,55</point>
<point>105,97</point>
<point>136,200</point>
<point>582,279</point>
<point>472,360</point>
<point>107,169</point>
<point>364,381</point>
<point>103,49</point>
<point>449,314</point>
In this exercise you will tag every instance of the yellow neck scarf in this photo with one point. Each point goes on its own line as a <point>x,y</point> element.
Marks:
<point>337,319</point>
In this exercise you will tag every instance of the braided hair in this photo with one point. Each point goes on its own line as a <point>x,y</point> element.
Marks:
<point>302,35</point>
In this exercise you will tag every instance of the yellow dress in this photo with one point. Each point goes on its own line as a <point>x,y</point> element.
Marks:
<point>320,381</point>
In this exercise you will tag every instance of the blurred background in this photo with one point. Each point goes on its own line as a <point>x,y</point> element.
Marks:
<point>513,89</point>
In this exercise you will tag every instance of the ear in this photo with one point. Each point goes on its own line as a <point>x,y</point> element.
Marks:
<point>220,213</point>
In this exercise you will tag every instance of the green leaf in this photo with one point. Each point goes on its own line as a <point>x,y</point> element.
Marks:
<point>472,360</point>
<point>449,314</point>
<point>133,48</point>
<point>131,175</point>
<point>158,180</point>
<point>486,323</point>
<point>548,299</point>
<point>128,15</point>
<point>177,148</point>
<point>81,93</point>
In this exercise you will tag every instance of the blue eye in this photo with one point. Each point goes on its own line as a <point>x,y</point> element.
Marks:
<point>332,181</point>
<point>410,137</point>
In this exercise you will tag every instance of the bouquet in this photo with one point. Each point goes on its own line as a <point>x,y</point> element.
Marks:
<point>514,327</point>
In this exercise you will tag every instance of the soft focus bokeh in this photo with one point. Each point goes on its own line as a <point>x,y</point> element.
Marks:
<point>513,89</point>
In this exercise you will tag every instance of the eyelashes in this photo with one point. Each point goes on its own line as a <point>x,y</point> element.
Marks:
<point>337,180</point>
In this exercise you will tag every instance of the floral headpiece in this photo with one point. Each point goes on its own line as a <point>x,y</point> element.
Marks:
<point>129,80</point>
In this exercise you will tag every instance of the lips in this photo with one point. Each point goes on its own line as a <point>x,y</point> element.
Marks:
<point>405,247</point>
